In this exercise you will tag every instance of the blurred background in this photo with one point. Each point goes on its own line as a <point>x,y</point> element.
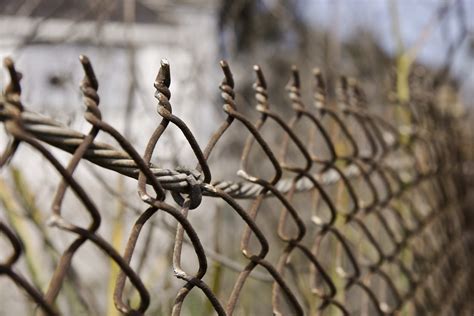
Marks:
<point>371,40</point>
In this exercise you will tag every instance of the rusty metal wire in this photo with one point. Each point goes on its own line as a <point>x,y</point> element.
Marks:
<point>372,214</point>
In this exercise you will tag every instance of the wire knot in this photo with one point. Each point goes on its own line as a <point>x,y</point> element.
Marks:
<point>195,192</point>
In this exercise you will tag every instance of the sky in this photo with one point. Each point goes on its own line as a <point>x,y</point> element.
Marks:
<point>413,16</point>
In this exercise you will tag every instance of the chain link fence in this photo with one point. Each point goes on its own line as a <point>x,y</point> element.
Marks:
<point>339,210</point>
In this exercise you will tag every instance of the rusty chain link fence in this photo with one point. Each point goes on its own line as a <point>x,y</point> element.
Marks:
<point>338,210</point>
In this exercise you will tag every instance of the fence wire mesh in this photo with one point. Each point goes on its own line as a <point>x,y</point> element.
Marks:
<point>340,211</point>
